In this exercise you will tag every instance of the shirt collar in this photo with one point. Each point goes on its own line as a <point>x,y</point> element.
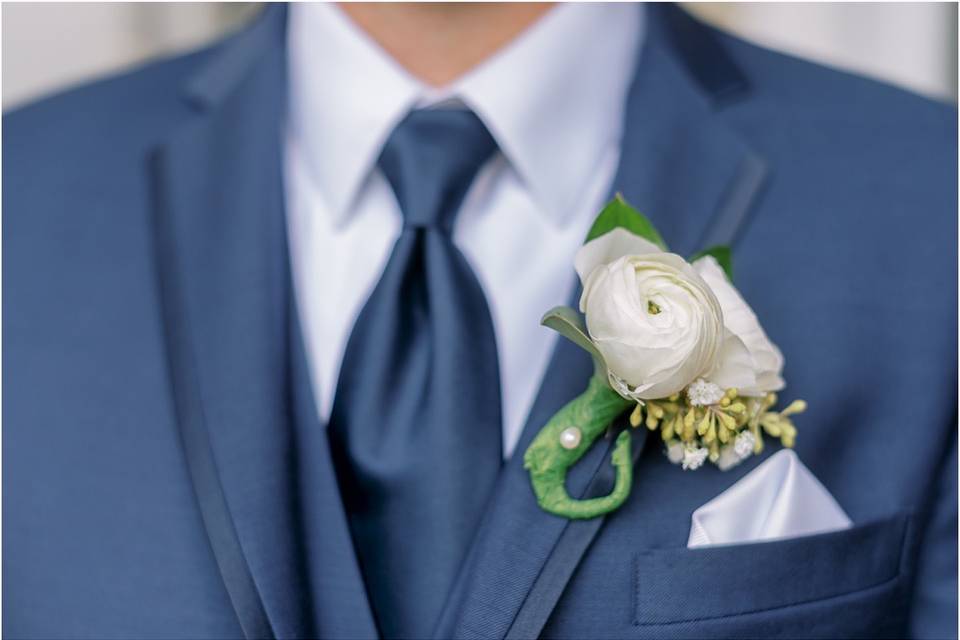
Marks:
<point>553,98</point>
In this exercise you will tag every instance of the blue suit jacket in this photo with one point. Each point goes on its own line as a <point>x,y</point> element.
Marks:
<point>163,471</point>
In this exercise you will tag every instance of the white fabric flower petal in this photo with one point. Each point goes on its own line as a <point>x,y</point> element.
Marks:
<point>612,245</point>
<point>740,320</point>
<point>735,366</point>
<point>656,322</point>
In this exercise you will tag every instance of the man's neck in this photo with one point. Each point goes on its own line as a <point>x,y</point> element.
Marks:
<point>439,42</point>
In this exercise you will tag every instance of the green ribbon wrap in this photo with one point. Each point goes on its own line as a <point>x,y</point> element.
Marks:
<point>548,460</point>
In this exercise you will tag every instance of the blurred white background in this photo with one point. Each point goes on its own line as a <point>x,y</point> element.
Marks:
<point>49,46</point>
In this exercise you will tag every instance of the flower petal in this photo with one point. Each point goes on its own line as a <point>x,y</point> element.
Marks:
<point>608,247</point>
<point>734,368</point>
<point>740,319</point>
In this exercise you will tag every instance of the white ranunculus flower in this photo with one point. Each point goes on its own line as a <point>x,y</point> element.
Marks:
<point>661,323</point>
<point>656,322</point>
<point>765,360</point>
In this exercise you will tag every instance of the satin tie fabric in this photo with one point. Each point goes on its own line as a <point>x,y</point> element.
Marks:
<point>416,422</point>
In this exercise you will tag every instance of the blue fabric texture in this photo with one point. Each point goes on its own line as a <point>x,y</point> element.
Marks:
<point>415,427</point>
<point>149,319</point>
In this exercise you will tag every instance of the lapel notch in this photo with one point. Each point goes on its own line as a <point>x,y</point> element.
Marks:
<point>683,164</point>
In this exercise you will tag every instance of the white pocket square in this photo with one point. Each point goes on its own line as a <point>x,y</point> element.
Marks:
<point>781,498</point>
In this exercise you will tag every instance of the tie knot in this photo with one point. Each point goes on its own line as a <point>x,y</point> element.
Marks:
<point>431,159</point>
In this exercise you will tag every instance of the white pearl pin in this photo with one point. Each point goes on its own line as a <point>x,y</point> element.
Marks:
<point>570,438</point>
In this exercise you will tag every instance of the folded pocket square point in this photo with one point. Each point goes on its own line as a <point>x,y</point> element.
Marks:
<point>781,498</point>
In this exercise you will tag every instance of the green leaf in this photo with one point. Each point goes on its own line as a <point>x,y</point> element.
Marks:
<point>569,324</point>
<point>722,254</point>
<point>618,213</point>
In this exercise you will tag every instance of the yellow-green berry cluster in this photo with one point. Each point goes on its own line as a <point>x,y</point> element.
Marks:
<point>717,431</point>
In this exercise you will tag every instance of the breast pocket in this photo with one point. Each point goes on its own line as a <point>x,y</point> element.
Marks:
<point>732,583</point>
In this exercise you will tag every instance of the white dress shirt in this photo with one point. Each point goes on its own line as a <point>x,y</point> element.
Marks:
<point>553,99</point>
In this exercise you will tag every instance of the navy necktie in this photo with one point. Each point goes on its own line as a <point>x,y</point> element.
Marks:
<point>416,426</point>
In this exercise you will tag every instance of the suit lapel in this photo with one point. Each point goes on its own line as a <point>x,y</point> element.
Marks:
<point>517,537</point>
<point>681,163</point>
<point>225,291</point>
<point>693,175</point>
